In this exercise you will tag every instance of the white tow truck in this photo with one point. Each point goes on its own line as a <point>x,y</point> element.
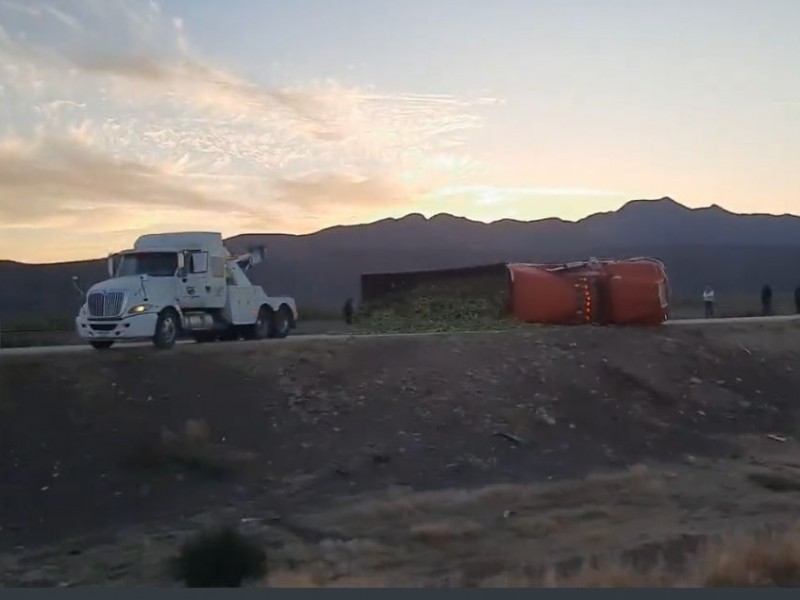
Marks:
<point>173,285</point>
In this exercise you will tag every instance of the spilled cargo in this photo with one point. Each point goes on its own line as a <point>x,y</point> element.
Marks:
<point>602,292</point>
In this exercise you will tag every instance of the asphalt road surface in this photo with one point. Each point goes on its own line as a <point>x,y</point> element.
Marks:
<point>48,350</point>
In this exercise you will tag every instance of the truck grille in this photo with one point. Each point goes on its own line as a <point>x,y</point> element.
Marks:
<point>108,304</point>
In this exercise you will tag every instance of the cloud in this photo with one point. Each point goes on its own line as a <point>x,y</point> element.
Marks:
<point>31,9</point>
<point>105,107</point>
<point>163,71</point>
<point>341,190</point>
<point>53,180</point>
<point>487,195</point>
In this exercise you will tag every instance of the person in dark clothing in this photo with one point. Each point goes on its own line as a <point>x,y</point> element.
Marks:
<point>348,311</point>
<point>797,299</point>
<point>708,301</point>
<point>766,300</point>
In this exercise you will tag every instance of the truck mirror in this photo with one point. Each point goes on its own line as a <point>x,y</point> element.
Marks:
<point>110,265</point>
<point>76,283</point>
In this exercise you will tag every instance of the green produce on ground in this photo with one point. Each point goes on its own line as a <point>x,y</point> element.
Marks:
<point>455,305</point>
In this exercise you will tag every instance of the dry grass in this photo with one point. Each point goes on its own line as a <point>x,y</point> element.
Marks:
<point>606,530</point>
<point>446,531</point>
<point>764,559</point>
<point>758,560</point>
<point>618,529</point>
<point>400,506</point>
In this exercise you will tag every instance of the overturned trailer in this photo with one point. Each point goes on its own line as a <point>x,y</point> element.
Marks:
<point>632,291</point>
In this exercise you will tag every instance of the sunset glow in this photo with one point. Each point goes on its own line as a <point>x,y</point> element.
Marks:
<point>118,118</point>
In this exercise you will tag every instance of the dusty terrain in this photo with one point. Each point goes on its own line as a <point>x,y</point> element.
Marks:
<point>450,460</point>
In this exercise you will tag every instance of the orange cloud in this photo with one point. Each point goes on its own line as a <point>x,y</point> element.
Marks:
<point>56,180</point>
<point>142,131</point>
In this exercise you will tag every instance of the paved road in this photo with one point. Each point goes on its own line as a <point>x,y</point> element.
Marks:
<point>68,349</point>
<point>730,320</point>
<point>298,338</point>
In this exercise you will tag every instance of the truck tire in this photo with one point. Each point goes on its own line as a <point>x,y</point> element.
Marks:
<point>166,333</point>
<point>281,323</point>
<point>102,345</point>
<point>261,328</point>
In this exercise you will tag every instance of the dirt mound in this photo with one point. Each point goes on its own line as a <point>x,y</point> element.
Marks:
<point>93,442</point>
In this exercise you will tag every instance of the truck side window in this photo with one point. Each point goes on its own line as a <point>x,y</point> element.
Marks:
<point>217,267</point>
<point>199,262</point>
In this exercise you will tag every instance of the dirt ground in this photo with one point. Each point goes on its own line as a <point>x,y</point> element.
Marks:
<point>473,459</point>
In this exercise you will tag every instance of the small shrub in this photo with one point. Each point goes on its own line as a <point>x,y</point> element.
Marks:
<point>193,452</point>
<point>219,558</point>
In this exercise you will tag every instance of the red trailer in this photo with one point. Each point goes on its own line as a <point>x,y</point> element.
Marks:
<point>605,292</point>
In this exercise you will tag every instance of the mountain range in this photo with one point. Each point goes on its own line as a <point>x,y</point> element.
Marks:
<point>735,253</point>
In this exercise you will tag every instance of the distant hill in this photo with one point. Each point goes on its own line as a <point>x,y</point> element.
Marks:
<point>733,252</point>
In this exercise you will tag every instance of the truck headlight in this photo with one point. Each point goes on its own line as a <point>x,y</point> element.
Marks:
<point>140,309</point>
<point>82,311</point>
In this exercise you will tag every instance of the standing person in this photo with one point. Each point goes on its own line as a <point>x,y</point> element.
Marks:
<point>797,299</point>
<point>708,301</point>
<point>348,311</point>
<point>766,300</point>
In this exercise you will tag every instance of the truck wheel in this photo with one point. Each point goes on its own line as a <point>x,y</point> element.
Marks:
<point>104,345</point>
<point>260,329</point>
<point>166,330</point>
<point>281,323</point>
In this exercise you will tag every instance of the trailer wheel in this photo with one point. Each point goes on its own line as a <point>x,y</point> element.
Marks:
<point>260,329</point>
<point>281,323</point>
<point>166,333</point>
<point>102,345</point>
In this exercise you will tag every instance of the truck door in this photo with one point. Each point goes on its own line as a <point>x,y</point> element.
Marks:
<point>202,286</point>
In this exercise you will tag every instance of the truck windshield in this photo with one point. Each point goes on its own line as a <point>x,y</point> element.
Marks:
<point>152,264</point>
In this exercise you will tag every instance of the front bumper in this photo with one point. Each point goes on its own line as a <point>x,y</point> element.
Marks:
<point>132,327</point>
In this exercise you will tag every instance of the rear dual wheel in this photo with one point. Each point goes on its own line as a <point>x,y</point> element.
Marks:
<point>281,323</point>
<point>260,329</point>
<point>270,324</point>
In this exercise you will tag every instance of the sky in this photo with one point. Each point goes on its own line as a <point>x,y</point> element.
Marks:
<point>119,118</point>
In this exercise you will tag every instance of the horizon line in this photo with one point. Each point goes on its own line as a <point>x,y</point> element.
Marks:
<point>663,199</point>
